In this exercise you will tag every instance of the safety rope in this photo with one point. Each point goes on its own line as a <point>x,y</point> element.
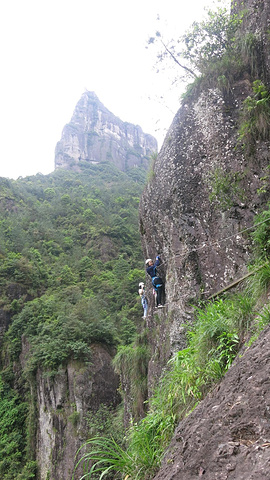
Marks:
<point>210,245</point>
<point>205,245</point>
<point>233,284</point>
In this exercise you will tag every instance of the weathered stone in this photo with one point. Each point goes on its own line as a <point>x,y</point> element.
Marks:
<point>205,244</point>
<point>95,135</point>
<point>63,402</point>
<point>235,449</point>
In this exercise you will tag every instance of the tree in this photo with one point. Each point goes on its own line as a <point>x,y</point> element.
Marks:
<point>204,43</point>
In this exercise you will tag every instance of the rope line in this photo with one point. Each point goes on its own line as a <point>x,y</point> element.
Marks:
<point>205,245</point>
<point>233,284</point>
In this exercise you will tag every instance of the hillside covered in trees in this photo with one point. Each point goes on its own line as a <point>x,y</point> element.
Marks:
<point>70,264</point>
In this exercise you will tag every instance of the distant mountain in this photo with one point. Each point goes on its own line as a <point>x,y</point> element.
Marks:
<point>96,135</point>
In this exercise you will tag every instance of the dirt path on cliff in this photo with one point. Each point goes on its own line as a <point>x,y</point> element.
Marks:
<point>228,435</point>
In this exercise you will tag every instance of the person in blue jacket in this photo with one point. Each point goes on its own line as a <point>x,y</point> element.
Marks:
<point>157,282</point>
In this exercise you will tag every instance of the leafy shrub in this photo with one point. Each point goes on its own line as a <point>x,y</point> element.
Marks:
<point>74,418</point>
<point>255,117</point>
<point>131,363</point>
<point>225,188</point>
<point>261,235</point>
<point>106,420</point>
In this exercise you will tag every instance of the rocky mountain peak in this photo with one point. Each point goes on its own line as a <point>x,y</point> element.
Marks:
<point>96,135</point>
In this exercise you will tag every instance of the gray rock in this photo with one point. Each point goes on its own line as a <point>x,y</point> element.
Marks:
<point>95,135</point>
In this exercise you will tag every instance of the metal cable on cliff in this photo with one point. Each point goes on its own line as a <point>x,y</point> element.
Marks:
<point>209,245</point>
<point>236,282</point>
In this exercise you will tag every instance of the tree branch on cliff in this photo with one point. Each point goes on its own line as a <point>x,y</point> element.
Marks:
<point>175,59</point>
<point>171,54</point>
<point>203,47</point>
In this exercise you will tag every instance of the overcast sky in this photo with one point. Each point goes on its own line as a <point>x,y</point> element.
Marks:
<point>53,50</point>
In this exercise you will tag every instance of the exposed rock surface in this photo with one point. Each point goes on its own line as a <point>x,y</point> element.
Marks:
<point>204,245</point>
<point>63,402</point>
<point>227,437</point>
<point>95,135</point>
<point>197,213</point>
<point>204,193</point>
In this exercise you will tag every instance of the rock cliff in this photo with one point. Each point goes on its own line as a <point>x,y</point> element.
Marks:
<point>65,403</point>
<point>197,212</point>
<point>200,204</point>
<point>95,135</point>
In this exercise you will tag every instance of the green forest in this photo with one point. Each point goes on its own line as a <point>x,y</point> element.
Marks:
<point>70,264</point>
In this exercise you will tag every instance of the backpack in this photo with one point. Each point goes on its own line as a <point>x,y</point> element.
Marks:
<point>157,282</point>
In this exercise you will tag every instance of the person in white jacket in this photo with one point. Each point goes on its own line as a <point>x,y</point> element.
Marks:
<point>143,299</point>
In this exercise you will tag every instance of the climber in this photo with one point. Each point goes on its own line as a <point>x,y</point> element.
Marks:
<point>156,280</point>
<point>143,299</point>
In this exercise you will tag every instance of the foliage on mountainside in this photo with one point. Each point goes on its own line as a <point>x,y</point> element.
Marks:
<point>70,264</point>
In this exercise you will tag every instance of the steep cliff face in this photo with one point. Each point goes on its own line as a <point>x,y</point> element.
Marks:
<point>204,244</point>
<point>64,403</point>
<point>204,193</point>
<point>197,213</point>
<point>257,22</point>
<point>95,135</point>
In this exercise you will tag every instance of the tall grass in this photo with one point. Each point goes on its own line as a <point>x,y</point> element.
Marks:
<point>105,457</point>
